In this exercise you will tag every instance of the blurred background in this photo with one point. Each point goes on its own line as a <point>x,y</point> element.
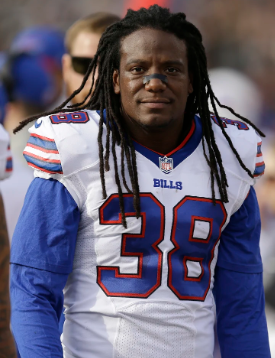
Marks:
<point>239,39</point>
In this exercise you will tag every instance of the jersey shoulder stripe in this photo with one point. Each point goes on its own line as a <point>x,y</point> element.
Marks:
<point>260,164</point>
<point>63,143</point>
<point>44,144</point>
<point>41,153</point>
<point>246,141</point>
<point>9,166</point>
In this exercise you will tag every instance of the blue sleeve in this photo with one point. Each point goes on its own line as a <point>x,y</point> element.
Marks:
<point>45,234</point>
<point>238,288</point>
<point>36,304</point>
<point>239,245</point>
<point>42,254</point>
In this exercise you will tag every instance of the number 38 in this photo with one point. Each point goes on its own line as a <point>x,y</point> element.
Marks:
<point>189,247</point>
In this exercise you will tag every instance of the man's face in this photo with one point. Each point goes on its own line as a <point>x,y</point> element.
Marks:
<point>154,105</point>
<point>84,45</point>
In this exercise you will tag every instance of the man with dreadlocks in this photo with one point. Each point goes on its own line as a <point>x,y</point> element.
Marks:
<point>153,230</point>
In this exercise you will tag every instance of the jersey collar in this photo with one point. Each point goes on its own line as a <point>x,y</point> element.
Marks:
<point>186,148</point>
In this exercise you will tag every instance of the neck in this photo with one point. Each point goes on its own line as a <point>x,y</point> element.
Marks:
<point>161,140</point>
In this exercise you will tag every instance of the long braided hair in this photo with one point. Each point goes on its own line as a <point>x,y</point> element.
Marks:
<point>107,60</point>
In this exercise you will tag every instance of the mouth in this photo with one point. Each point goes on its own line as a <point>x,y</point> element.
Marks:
<point>156,102</point>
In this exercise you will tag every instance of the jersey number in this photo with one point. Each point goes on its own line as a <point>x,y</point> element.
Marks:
<point>75,117</point>
<point>195,232</point>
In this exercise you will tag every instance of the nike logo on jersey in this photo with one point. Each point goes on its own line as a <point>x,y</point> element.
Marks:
<point>37,125</point>
<point>167,184</point>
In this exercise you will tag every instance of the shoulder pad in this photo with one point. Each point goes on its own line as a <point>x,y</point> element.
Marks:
<point>247,143</point>
<point>5,154</point>
<point>63,143</point>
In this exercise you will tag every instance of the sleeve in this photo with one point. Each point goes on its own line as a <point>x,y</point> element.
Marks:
<point>238,289</point>
<point>41,152</point>
<point>239,244</point>
<point>42,256</point>
<point>60,151</point>
<point>37,301</point>
<point>5,154</point>
<point>45,234</point>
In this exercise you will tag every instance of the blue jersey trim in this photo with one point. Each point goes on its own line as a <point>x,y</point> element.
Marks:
<point>42,143</point>
<point>259,148</point>
<point>9,164</point>
<point>259,170</point>
<point>43,164</point>
<point>180,154</point>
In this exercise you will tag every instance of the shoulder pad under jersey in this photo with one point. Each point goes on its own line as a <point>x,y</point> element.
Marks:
<point>5,154</point>
<point>246,141</point>
<point>64,143</point>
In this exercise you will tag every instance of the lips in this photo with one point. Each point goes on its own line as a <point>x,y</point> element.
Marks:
<point>155,102</point>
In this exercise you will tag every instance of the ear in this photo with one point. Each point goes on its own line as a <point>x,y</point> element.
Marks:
<point>190,86</point>
<point>66,66</point>
<point>116,82</point>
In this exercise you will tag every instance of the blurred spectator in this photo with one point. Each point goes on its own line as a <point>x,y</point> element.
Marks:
<point>31,74</point>
<point>236,90</point>
<point>3,102</point>
<point>7,347</point>
<point>266,197</point>
<point>81,41</point>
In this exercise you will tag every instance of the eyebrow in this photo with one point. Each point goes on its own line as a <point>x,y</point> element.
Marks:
<point>169,62</point>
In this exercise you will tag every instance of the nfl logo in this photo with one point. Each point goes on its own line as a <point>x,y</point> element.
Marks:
<point>166,164</point>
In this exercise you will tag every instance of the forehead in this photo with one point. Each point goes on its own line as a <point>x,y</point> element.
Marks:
<point>147,43</point>
<point>85,44</point>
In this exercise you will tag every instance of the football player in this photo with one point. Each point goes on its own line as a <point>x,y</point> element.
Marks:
<point>154,230</point>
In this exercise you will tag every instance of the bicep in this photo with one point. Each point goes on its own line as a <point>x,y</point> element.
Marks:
<point>45,235</point>
<point>239,248</point>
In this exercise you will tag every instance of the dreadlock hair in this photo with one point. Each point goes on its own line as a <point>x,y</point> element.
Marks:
<point>107,60</point>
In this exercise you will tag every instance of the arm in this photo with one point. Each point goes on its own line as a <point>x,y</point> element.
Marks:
<point>42,255</point>
<point>239,294</point>
<point>37,302</point>
<point>7,347</point>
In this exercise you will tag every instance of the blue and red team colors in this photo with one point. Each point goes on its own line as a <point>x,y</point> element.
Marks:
<point>156,287</point>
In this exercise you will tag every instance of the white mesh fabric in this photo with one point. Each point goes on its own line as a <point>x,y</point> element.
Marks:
<point>85,256</point>
<point>158,329</point>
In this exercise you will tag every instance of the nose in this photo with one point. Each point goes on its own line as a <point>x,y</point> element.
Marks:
<point>155,85</point>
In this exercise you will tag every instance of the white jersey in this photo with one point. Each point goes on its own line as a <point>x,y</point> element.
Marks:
<point>5,154</point>
<point>145,290</point>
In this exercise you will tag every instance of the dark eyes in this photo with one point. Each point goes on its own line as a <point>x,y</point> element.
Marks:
<point>138,70</point>
<point>172,70</point>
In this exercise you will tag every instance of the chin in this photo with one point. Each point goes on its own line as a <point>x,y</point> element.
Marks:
<point>156,122</point>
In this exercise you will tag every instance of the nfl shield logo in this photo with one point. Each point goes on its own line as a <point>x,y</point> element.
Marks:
<point>166,164</point>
